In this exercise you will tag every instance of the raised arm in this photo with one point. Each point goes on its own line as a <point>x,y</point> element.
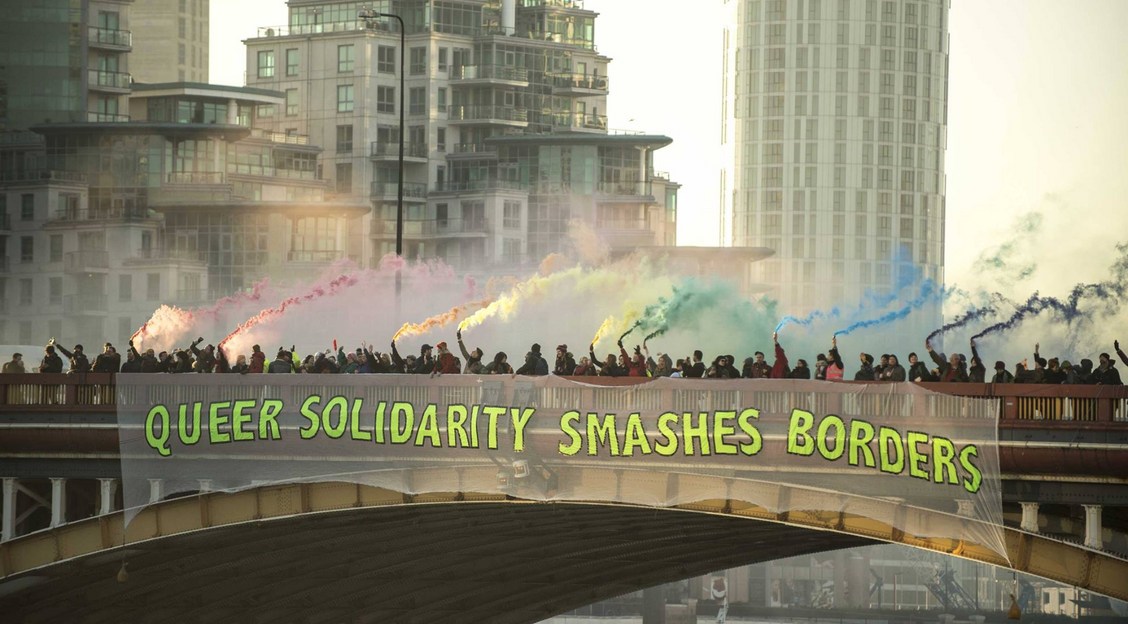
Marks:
<point>462,347</point>
<point>591,355</point>
<point>975,352</point>
<point>1123,358</point>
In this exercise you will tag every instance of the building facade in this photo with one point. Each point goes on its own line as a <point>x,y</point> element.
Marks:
<point>170,40</point>
<point>834,132</point>
<point>63,61</point>
<point>506,126</point>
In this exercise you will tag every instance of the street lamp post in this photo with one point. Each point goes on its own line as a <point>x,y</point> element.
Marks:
<point>367,14</point>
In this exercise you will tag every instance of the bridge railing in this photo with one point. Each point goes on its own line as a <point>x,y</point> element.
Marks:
<point>1037,403</point>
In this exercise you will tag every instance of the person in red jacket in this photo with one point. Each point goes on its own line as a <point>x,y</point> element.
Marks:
<point>780,369</point>
<point>258,360</point>
<point>636,366</point>
<point>445,363</point>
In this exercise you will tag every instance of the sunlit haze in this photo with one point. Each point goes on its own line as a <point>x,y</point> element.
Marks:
<point>1036,122</point>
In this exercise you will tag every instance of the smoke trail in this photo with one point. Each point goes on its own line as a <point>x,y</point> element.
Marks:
<point>445,318</point>
<point>337,285</point>
<point>1002,260</point>
<point>928,291</point>
<point>539,286</point>
<point>175,323</point>
<point>810,319</point>
<point>965,318</point>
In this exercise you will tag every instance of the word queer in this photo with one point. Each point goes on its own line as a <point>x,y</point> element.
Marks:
<point>852,443</point>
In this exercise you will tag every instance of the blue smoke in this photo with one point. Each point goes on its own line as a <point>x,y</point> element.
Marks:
<point>928,292</point>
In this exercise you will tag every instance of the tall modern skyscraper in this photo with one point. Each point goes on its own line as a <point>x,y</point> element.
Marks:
<point>170,40</point>
<point>834,130</point>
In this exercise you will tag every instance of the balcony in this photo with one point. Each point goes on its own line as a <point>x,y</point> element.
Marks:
<point>386,228</point>
<point>472,150</point>
<point>586,44</point>
<point>81,305</point>
<point>96,117</point>
<point>458,227</point>
<point>628,191</point>
<point>315,257</point>
<point>37,176</point>
<point>110,81</point>
<point>471,186</point>
<point>86,261</point>
<point>117,213</point>
<point>490,115</point>
<point>110,38</point>
<point>167,257</point>
<point>279,137</point>
<point>389,191</point>
<point>485,75</point>
<point>384,150</point>
<point>196,177</point>
<point>244,169</point>
<point>579,122</point>
<point>579,85</point>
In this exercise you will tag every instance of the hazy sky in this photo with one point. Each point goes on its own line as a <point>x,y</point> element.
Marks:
<point>1038,117</point>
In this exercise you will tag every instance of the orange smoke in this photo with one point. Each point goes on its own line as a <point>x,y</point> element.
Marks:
<point>493,288</point>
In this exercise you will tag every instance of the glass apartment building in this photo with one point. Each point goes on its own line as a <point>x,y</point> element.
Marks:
<point>834,132</point>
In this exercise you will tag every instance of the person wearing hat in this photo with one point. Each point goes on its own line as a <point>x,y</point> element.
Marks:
<point>78,361</point>
<point>565,363</point>
<point>425,363</point>
<point>473,358</point>
<point>108,361</point>
<point>534,365</point>
<point>1002,375</point>
<point>445,363</point>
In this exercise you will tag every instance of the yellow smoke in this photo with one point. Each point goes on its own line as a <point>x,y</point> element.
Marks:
<point>493,286</point>
<point>575,280</point>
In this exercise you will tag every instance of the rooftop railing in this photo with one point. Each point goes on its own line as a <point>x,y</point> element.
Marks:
<point>96,117</point>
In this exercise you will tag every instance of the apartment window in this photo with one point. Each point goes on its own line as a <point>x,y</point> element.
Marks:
<point>27,249</point>
<point>418,64</point>
<point>291,102</point>
<point>56,248</point>
<point>441,140</point>
<point>27,207</point>
<point>385,99</point>
<point>443,64</point>
<point>386,60</point>
<point>26,291</point>
<point>346,58</point>
<point>182,7</point>
<point>344,98</point>
<point>442,101</point>
<point>344,139</point>
<point>265,62</point>
<point>153,287</point>
<point>417,98</point>
<point>344,177</point>
<point>265,110</point>
<point>55,291</point>
<point>125,288</point>
<point>292,62</point>
<point>511,217</point>
<point>183,28</point>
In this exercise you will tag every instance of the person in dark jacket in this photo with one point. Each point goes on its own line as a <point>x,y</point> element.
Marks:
<point>205,358</point>
<point>608,367</point>
<point>879,370</point>
<point>534,365</point>
<point>183,362</point>
<point>1106,374</point>
<point>1002,375</point>
<point>1071,374</point>
<point>258,360</point>
<point>499,365</point>
<point>893,370</point>
<point>950,369</point>
<point>148,362</point>
<point>241,366</point>
<point>425,363</point>
<point>977,373</point>
<point>52,363</point>
<point>78,361</point>
<point>565,363</point>
<point>801,370</point>
<point>15,366</point>
<point>865,372</point>
<point>108,361</point>
<point>918,371</point>
<point>820,367</point>
<point>1054,374</point>
<point>697,368</point>
<point>166,362</point>
<point>132,362</point>
<point>283,363</point>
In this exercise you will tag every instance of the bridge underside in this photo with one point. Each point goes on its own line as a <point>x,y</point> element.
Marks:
<point>468,562</point>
